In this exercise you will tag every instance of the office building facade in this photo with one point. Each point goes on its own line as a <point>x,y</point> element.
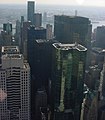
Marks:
<point>67,81</point>
<point>18,33</point>
<point>45,17</point>
<point>41,104</point>
<point>70,29</point>
<point>100,36</point>
<point>38,19</point>
<point>49,32</point>
<point>33,35</point>
<point>23,44</point>
<point>22,20</point>
<point>7,27</point>
<point>6,39</point>
<point>14,86</point>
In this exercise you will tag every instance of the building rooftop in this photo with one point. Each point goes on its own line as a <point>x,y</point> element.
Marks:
<point>73,16</point>
<point>12,56</point>
<point>26,66</point>
<point>73,19</point>
<point>37,28</point>
<point>69,46</point>
<point>98,50</point>
<point>37,13</point>
<point>10,49</point>
<point>42,40</point>
<point>46,41</point>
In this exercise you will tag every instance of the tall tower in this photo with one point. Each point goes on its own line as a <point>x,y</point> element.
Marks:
<point>33,54</point>
<point>23,44</point>
<point>38,19</point>
<point>67,80</point>
<point>30,11</point>
<point>34,34</point>
<point>14,85</point>
<point>67,28</point>
<point>22,20</point>
<point>18,33</point>
<point>49,32</point>
<point>100,36</point>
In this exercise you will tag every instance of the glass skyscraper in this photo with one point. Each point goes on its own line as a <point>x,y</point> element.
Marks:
<point>67,80</point>
<point>30,11</point>
<point>70,29</point>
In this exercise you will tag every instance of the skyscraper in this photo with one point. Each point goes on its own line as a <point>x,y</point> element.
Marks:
<point>7,27</point>
<point>6,39</point>
<point>38,19</point>
<point>33,35</point>
<point>14,85</point>
<point>44,17</point>
<point>100,37</point>
<point>49,32</point>
<point>23,44</point>
<point>30,11</point>
<point>32,55</point>
<point>70,29</point>
<point>22,20</point>
<point>67,80</point>
<point>6,34</point>
<point>18,33</point>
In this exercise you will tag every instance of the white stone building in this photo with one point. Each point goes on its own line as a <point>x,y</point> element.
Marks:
<point>14,86</point>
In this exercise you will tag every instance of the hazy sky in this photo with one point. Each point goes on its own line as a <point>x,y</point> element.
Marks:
<point>60,2</point>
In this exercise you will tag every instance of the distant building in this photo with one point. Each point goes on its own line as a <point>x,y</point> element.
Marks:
<point>67,80</point>
<point>18,33</point>
<point>44,17</point>
<point>37,19</point>
<point>14,85</point>
<point>100,37</point>
<point>30,11</point>
<point>23,45</point>
<point>49,32</point>
<point>22,20</point>
<point>7,27</point>
<point>6,39</point>
<point>6,34</point>
<point>70,29</point>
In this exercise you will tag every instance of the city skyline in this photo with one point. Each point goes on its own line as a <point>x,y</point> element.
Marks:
<point>59,2</point>
<point>52,60</point>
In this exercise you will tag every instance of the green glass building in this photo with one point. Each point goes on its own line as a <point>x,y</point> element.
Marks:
<point>67,80</point>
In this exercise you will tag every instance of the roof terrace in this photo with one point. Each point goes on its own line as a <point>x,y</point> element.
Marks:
<point>69,46</point>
